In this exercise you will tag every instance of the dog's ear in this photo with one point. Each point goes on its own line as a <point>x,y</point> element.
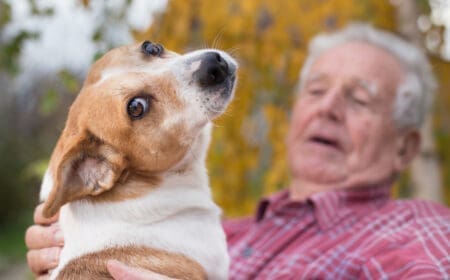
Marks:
<point>84,166</point>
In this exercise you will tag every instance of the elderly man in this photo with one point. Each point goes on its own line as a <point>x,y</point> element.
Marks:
<point>355,126</point>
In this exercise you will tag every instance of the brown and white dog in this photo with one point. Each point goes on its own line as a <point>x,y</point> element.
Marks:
<point>128,172</point>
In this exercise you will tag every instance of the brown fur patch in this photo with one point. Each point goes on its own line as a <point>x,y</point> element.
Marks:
<point>134,187</point>
<point>93,265</point>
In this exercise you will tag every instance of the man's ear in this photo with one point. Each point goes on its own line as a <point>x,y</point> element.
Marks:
<point>408,145</point>
<point>85,166</point>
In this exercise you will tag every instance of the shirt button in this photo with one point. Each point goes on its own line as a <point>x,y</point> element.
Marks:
<point>247,252</point>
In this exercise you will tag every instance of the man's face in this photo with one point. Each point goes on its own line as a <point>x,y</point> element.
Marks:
<point>342,131</point>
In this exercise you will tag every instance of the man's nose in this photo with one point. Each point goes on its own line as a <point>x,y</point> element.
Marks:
<point>333,103</point>
<point>213,70</point>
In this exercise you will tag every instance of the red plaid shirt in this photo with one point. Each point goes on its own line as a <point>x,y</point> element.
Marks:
<point>341,235</point>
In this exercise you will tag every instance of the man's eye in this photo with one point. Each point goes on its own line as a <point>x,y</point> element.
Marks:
<point>316,91</point>
<point>359,99</point>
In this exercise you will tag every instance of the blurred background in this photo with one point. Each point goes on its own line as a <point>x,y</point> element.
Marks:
<point>46,48</point>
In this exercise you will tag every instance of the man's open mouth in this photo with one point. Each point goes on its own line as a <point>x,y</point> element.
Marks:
<point>330,142</point>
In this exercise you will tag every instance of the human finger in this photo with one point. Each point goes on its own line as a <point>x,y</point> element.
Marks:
<point>40,261</point>
<point>39,216</point>
<point>39,237</point>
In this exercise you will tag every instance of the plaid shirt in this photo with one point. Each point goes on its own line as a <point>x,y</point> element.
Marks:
<point>341,235</point>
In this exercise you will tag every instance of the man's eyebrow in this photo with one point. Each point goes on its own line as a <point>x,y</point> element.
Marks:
<point>370,87</point>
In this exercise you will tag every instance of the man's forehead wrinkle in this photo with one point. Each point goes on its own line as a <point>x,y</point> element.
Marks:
<point>370,86</point>
<point>317,76</point>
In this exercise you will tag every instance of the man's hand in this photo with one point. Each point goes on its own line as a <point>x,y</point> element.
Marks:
<point>44,241</point>
<point>120,271</point>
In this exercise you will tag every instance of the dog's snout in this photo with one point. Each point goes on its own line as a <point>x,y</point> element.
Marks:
<point>213,70</point>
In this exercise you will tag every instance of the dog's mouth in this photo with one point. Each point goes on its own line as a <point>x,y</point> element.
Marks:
<point>216,100</point>
<point>227,88</point>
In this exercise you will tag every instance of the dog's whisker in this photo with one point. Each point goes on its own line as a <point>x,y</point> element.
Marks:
<point>232,50</point>
<point>217,38</point>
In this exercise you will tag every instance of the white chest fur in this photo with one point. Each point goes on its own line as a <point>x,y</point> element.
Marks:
<point>179,216</point>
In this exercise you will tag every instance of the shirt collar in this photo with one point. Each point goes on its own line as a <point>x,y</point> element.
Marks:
<point>330,207</point>
<point>276,204</point>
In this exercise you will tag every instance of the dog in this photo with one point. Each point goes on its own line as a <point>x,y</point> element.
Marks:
<point>128,172</point>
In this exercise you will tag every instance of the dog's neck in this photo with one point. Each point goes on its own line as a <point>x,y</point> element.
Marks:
<point>196,155</point>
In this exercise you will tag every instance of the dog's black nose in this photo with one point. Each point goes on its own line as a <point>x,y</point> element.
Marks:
<point>213,70</point>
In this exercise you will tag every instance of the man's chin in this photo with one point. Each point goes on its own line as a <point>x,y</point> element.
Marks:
<point>329,174</point>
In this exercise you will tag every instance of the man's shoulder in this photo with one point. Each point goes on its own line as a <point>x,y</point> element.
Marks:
<point>407,219</point>
<point>422,215</point>
<point>420,241</point>
<point>421,208</point>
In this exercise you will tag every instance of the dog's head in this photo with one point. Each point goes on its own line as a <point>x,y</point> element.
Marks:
<point>140,111</point>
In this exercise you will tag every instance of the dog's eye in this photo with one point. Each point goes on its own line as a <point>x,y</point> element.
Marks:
<point>137,107</point>
<point>149,48</point>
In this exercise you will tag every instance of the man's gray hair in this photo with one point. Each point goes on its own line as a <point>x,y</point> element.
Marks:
<point>414,95</point>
